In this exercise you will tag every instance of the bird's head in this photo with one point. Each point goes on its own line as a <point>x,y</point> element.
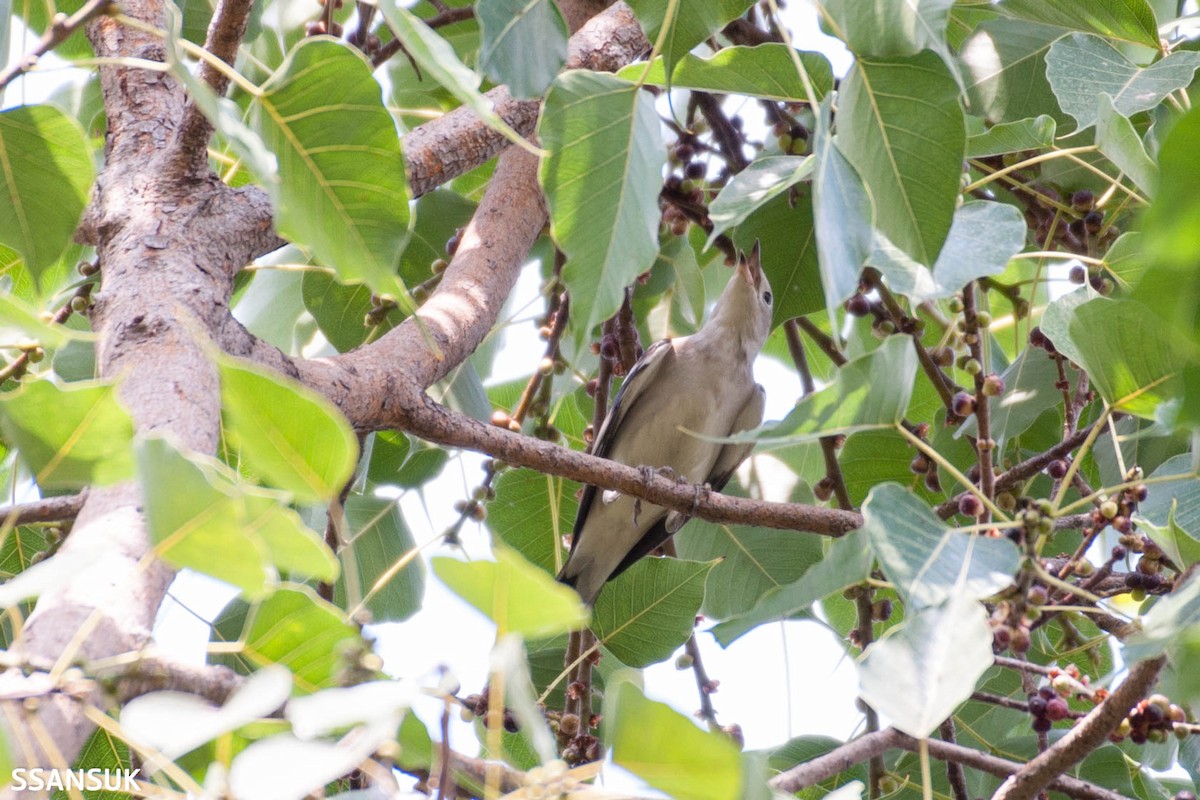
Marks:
<point>746,304</point>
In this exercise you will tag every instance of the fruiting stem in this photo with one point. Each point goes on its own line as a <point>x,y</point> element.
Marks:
<point>1153,479</point>
<point>984,444</point>
<point>938,378</point>
<point>937,457</point>
<point>1065,586</point>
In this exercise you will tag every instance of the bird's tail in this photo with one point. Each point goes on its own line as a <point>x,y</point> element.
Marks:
<point>581,575</point>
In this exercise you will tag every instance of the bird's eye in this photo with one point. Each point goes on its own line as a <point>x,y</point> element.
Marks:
<point>767,298</point>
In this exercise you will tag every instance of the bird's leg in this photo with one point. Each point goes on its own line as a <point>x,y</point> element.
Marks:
<point>699,489</point>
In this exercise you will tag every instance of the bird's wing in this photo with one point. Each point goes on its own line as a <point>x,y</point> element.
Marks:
<point>727,462</point>
<point>640,378</point>
<point>731,455</point>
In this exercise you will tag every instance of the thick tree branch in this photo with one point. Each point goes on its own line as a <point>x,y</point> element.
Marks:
<point>456,143</point>
<point>1086,736</point>
<point>225,33</point>
<point>168,258</point>
<point>48,509</point>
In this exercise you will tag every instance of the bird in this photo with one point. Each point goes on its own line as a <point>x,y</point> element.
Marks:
<point>681,394</point>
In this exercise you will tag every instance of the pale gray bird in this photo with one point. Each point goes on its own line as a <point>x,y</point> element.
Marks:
<point>699,384</point>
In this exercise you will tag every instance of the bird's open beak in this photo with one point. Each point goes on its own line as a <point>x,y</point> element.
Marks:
<point>750,266</point>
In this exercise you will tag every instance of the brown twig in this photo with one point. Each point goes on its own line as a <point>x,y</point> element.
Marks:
<point>440,20</point>
<point>984,444</point>
<point>876,769</point>
<point>833,468</point>
<point>225,33</point>
<point>825,343</point>
<point>58,31</point>
<point>727,137</point>
<point>954,770</point>
<point>1001,700</point>
<point>17,367</point>
<point>944,387</point>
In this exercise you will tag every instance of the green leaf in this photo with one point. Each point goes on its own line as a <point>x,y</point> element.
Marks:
<point>790,257</point>
<point>46,174</point>
<point>1057,320</point>
<point>85,441</point>
<point>751,561</point>
<point>437,58</point>
<point>667,750</point>
<point>1120,143</point>
<point>341,191</point>
<point>439,214</point>
<point>195,509</point>
<point>1029,392</point>
<point>17,547</point>
<point>650,609</point>
<point>531,514</point>
<point>105,751</point>
<point>1036,133</point>
<point>848,562</point>
<point>602,180</point>
<point>19,320</point>
<point>1126,259</point>
<point>174,722</point>
<point>1183,496</point>
<point>842,215</point>
<point>764,71</point>
<point>38,17</point>
<point>887,29</point>
<point>754,186</point>
<point>514,594</point>
<point>983,237</point>
<point>908,142</point>
<point>917,676</point>
<point>1081,67</point>
<point>1171,232</point>
<point>191,520</point>
<point>381,567</point>
<point>1129,354</point>
<point>296,629</point>
<point>287,433</point>
<point>294,548</point>
<point>339,310</point>
<point>871,391</point>
<point>1125,20</point>
<point>689,23</point>
<point>1006,71</point>
<point>927,561</point>
<point>1178,544</point>
<point>524,43</point>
